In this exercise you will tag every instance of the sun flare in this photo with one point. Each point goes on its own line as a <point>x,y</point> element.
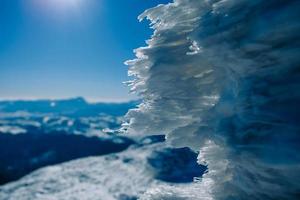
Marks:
<point>58,5</point>
<point>65,3</point>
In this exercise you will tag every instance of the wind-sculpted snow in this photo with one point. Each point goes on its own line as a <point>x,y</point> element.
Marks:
<point>223,77</point>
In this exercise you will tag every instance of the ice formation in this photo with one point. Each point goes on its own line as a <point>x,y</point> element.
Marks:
<point>223,78</point>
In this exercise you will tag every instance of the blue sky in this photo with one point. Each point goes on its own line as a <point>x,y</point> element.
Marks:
<point>68,48</point>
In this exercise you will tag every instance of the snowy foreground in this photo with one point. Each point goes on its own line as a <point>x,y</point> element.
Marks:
<point>123,176</point>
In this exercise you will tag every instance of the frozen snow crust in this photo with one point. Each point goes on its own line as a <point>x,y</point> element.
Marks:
<point>222,77</point>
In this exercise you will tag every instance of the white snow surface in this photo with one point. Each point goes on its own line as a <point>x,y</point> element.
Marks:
<point>92,178</point>
<point>122,176</point>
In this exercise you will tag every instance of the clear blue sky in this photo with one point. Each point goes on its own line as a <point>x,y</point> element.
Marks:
<point>68,48</point>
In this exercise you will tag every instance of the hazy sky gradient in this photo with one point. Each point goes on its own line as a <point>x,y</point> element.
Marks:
<point>67,48</point>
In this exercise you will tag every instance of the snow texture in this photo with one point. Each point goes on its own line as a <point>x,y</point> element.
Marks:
<point>121,176</point>
<point>223,77</point>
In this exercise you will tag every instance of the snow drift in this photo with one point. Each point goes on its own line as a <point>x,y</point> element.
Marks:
<point>223,77</point>
<point>118,176</point>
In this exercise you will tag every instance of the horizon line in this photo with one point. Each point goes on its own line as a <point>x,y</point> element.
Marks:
<point>88,100</point>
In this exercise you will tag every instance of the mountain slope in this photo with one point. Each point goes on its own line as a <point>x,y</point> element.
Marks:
<point>123,176</point>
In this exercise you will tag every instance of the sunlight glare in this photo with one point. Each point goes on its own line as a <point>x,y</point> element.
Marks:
<point>61,6</point>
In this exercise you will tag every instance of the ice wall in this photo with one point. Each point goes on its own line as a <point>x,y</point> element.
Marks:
<point>223,77</point>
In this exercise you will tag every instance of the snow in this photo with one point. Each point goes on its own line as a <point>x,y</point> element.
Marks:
<point>104,178</point>
<point>222,77</point>
<point>218,76</point>
<point>12,130</point>
<point>121,176</point>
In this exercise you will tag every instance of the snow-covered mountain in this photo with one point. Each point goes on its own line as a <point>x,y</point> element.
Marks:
<point>73,116</point>
<point>38,133</point>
